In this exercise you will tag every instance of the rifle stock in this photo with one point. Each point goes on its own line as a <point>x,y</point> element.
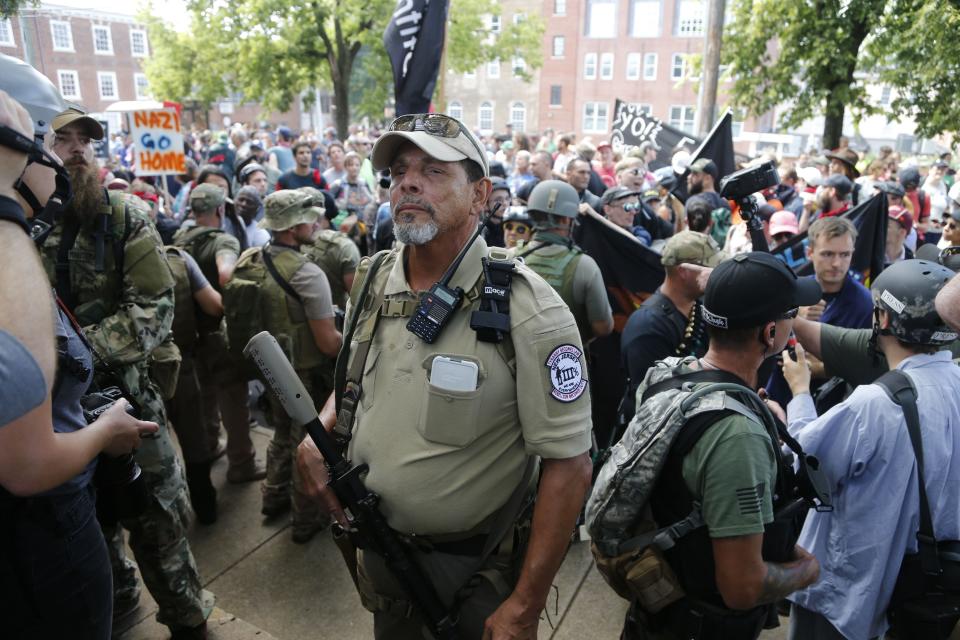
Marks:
<point>361,504</point>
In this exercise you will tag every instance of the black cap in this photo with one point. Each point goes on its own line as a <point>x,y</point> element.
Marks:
<point>839,182</point>
<point>754,288</point>
<point>617,193</point>
<point>891,188</point>
<point>500,184</point>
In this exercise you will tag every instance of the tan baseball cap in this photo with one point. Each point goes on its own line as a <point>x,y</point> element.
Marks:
<point>90,126</point>
<point>691,247</point>
<point>439,135</point>
<point>206,197</point>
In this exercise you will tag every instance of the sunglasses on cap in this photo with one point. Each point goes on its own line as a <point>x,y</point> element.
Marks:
<point>518,227</point>
<point>435,124</point>
<point>789,314</point>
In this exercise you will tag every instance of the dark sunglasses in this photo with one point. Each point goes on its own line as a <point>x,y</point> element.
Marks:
<point>519,227</point>
<point>436,124</point>
<point>789,315</point>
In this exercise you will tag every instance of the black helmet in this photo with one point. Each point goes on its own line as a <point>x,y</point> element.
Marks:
<point>665,177</point>
<point>906,290</point>
<point>33,90</point>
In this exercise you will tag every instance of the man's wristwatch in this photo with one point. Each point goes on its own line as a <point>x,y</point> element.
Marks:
<point>11,211</point>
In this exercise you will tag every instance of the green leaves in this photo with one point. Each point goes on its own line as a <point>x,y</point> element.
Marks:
<point>816,57</point>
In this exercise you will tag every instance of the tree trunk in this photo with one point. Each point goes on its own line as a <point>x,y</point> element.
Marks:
<point>833,122</point>
<point>341,99</point>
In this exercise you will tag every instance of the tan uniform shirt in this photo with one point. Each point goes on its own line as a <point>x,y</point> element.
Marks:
<point>443,461</point>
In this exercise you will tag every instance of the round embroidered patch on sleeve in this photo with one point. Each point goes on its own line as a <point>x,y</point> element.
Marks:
<point>566,373</point>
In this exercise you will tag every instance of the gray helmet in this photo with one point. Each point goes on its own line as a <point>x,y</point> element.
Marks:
<point>906,290</point>
<point>665,177</point>
<point>33,90</point>
<point>554,197</point>
<point>516,214</point>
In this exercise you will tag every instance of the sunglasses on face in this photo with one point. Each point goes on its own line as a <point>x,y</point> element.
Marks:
<point>435,124</point>
<point>516,227</point>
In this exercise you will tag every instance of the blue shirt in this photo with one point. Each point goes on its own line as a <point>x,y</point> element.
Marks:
<point>864,450</point>
<point>285,161</point>
<point>22,387</point>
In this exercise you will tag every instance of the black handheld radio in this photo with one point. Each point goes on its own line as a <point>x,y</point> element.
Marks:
<point>438,304</point>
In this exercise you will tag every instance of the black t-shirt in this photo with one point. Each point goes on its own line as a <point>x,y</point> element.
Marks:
<point>653,332</point>
<point>290,180</point>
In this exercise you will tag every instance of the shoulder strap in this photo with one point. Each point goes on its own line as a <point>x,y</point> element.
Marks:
<point>347,398</point>
<point>272,270</point>
<point>899,388</point>
<point>120,244</point>
<point>708,375</point>
<point>68,238</point>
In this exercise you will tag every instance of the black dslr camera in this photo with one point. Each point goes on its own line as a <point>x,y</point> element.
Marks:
<point>121,491</point>
<point>740,186</point>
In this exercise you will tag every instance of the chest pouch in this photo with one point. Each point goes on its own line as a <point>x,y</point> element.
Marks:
<point>492,320</point>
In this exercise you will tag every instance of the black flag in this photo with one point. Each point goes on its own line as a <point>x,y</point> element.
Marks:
<point>414,42</point>
<point>632,126</point>
<point>870,219</point>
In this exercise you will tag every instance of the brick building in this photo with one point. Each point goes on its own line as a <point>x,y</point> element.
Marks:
<point>96,59</point>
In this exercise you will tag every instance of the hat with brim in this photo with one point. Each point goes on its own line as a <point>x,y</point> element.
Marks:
<point>288,208</point>
<point>74,116</point>
<point>437,147</point>
<point>847,157</point>
<point>613,194</point>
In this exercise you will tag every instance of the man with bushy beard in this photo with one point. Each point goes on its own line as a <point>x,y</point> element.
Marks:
<point>107,262</point>
<point>450,427</point>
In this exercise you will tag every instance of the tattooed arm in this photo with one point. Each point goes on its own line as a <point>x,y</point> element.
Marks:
<point>745,580</point>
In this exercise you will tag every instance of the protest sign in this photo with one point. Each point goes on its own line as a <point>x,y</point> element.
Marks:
<point>158,142</point>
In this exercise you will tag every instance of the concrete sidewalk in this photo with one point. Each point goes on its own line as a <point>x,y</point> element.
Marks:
<point>273,588</point>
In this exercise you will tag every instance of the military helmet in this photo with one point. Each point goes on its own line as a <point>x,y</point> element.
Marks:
<point>906,290</point>
<point>554,197</point>
<point>516,214</point>
<point>33,90</point>
<point>288,208</point>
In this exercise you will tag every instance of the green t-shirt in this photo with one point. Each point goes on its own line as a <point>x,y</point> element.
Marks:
<point>732,471</point>
<point>847,354</point>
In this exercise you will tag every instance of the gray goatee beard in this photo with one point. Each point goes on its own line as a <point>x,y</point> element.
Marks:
<point>417,234</point>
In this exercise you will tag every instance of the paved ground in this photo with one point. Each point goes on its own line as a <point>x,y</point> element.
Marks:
<point>273,588</point>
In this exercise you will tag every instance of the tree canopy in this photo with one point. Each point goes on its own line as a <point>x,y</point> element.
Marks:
<point>272,51</point>
<point>818,57</point>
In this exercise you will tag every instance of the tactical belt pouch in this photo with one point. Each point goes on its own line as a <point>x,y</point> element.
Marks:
<point>642,575</point>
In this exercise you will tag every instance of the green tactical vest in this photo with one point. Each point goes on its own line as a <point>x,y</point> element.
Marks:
<point>197,241</point>
<point>559,270</point>
<point>254,302</point>
<point>323,253</point>
<point>184,312</point>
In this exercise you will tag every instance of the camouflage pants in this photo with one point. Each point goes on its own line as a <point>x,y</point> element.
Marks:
<point>283,480</point>
<point>221,387</point>
<point>158,537</point>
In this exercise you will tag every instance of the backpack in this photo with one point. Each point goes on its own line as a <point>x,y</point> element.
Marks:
<point>628,543</point>
<point>926,598</point>
<point>184,312</point>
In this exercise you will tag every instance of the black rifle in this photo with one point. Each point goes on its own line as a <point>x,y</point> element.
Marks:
<point>345,480</point>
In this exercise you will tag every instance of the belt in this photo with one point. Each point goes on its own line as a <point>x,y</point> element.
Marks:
<point>472,546</point>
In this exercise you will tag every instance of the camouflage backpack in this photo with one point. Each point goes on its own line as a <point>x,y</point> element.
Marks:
<point>627,541</point>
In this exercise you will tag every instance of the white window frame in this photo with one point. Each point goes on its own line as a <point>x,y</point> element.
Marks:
<point>470,75</point>
<point>886,95</point>
<point>486,104</point>
<point>682,122</point>
<point>602,28</point>
<point>606,66</point>
<point>674,59</point>
<point>634,65</point>
<point>559,7</point>
<point>691,18</point>
<point>642,24</point>
<point>562,41</point>
<point>10,41</point>
<point>558,104</point>
<point>53,35</point>
<point>455,109</point>
<point>104,28</point>
<point>146,45</point>
<point>493,69</point>
<point>593,124</point>
<point>112,76</point>
<point>590,66</point>
<point>644,107</point>
<point>136,86</point>
<point>76,83</point>
<point>519,124</point>
<point>650,61</point>
<point>518,65</point>
<point>494,23</point>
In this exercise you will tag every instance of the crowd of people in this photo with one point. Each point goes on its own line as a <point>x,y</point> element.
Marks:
<point>474,406</point>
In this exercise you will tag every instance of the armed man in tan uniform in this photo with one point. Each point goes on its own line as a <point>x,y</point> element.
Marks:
<point>451,430</point>
<point>295,306</point>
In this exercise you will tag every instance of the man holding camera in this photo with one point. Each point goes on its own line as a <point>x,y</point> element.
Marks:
<point>107,263</point>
